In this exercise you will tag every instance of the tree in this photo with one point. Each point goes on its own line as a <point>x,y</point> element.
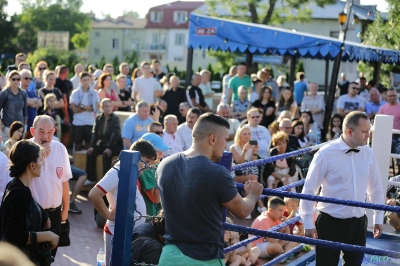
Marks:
<point>53,57</point>
<point>115,63</point>
<point>269,12</point>
<point>384,34</point>
<point>132,57</point>
<point>102,62</point>
<point>131,14</point>
<point>45,15</point>
<point>7,29</point>
<point>300,67</point>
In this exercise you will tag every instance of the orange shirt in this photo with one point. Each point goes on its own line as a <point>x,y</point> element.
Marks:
<point>264,222</point>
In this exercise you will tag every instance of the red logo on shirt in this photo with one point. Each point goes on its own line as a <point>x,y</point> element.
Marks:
<point>60,172</point>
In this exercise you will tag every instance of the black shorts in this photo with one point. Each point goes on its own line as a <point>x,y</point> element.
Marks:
<point>76,173</point>
<point>82,133</point>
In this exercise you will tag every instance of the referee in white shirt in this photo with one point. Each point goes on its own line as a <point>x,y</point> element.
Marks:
<point>345,169</point>
<point>51,189</point>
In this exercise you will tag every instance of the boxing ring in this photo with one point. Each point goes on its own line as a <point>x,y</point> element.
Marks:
<point>383,250</point>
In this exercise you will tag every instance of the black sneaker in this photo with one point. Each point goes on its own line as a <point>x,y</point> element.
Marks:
<point>73,208</point>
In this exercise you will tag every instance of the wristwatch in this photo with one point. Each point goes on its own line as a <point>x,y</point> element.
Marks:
<point>81,106</point>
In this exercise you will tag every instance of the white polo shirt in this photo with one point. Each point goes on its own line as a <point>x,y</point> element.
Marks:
<point>47,189</point>
<point>109,185</point>
<point>184,134</point>
<point>173,142</point>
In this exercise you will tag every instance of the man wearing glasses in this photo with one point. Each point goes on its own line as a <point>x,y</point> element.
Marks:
<point>392,107</point>
<point>259,133</point>
<point>33,101</point>
<point>351,101</point>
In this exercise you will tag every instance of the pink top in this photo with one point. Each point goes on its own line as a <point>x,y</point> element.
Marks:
<point>393,110</point>
<point>112,97</point>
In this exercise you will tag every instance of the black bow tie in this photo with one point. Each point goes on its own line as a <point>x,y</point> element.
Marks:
<point>352,150</point>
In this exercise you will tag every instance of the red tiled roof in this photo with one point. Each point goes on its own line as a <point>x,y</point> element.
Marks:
<point>168,15</point>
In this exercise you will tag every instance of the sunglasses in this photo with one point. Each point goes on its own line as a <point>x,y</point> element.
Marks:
<point>27,78</point>
<point>255,117</point>
<point>42,68</point>
<point>158,132</point>
<point>16,79</point>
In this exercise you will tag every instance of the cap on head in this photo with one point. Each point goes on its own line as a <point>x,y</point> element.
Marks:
<point>156,141</point>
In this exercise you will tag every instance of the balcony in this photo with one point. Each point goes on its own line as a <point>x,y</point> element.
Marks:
<point>158,48</point>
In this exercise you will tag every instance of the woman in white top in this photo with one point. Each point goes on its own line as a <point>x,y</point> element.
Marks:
<point>310,127</point>
<point>286,102</point>
<point>242,151</point>
<point>314,103</point>
<point>298,131</point>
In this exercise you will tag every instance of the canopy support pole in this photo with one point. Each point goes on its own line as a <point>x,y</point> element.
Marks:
<point>249,62</point>
<point>189,66</point>
<point>377,72</point>
<point>326,79</point>
<point>331,94</point>
<point>292,70</point>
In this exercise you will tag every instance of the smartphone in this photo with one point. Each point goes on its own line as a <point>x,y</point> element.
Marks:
<point>253,142</point>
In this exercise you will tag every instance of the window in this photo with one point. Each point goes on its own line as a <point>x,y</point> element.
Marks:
<point>158,40</point>
<point>156,16</point>
<point>96,52</point>
<point>97,35</point>
<point>180,17</point>
<point>155,56</point>
<point>114,44</point>
<point>334,34</point>
<point>179,39</point>
<point>178,58</point>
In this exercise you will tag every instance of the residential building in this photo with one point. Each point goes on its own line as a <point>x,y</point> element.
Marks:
<point>111,37</point>
<point>167,35</point>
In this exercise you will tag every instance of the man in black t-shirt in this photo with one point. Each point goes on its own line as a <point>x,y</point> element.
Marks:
<point>195,96</point>
<point>174,96</point>
<point>343,84</point>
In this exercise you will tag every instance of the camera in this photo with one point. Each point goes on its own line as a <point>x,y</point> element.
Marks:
<point>44,254</point>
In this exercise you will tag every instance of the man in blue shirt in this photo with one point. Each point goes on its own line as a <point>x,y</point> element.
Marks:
<point>136,125</point>
<point>300,88</point>
<point>372,107</point>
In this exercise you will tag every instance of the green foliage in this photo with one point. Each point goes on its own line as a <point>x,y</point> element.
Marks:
<point>300,67</point>
<point>224,60</point>
<point>175,70</point>
<point>199,69</point>
<point>7,30</point>
<point>102,62</point>
<point>132,14</point>
<point>182,75</point>
<point>386,35</point>
<point>115,63</point>
<point>167,67</point>
<point>132,57</point>
<point>135,65</point>
<point>45,15</point>
<point>53,57</point>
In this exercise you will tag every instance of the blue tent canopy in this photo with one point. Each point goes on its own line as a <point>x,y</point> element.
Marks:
<point>228,35</point>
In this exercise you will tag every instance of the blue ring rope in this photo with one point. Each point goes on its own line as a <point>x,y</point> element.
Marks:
<point>271,159</point>
<point>254,238</point>
<point>312,241</point>
<point>283,256</point>
<point>353,203</point>
<point>288,186</point>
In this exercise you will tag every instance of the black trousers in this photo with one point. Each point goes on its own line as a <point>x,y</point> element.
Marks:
<point>55,218</point>
<point>91,161</point>
<point>349,231</point>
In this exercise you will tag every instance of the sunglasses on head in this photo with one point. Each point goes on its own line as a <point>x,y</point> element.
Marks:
<point>15,79</point>
<point>42,68</point>
<point>27,78</point>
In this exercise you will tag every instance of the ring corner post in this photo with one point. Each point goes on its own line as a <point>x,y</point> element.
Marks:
<point>226,161</point>
<point>124,218</point>
<point>381,145</point>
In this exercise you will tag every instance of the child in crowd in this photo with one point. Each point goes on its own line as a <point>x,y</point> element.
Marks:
<point>335,127</point>
<point>15,134</point>
<point>50,110</point>
<point>291,209</point>
<point>269,247</point>
<point>246,256</point>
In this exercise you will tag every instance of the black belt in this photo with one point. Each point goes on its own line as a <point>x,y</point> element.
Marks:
<point>53,209</point>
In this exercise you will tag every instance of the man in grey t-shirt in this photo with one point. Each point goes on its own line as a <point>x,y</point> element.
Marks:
<point>194,190</point>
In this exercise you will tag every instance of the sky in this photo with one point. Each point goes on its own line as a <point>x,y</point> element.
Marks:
<point>116,7</point>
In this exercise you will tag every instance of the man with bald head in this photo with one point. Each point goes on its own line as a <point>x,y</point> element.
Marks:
<point>51,189</point>
<point>224,111</point>
<point>194,190</point>
<point>372,107</point>
<point>78,68</point>
<point>169,137</point>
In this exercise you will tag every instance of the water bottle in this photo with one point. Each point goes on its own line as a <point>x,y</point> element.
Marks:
<point>101,258</point>
<point>311,137</point>
<point>318,138</point>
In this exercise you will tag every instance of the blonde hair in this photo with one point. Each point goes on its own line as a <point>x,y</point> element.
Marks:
<point>12,73</point>
<point>238,133</point>
<point>286,200</point>
<point>284,114</point>
<point>47,97</point>
<point>36,72</point>
<point>46,74</point>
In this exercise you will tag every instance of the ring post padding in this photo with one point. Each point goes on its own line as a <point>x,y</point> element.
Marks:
<point>381,145</point>
<point>226,161</point>
<point>124,218</point>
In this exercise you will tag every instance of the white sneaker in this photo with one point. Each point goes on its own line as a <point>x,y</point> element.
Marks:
<point>89,183</point>
<point>248,217</point>
<point>261,210</point>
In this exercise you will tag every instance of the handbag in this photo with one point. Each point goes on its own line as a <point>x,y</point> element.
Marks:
<point>64,236</point>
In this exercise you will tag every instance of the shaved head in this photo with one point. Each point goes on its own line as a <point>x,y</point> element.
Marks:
<point>208,124</point>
